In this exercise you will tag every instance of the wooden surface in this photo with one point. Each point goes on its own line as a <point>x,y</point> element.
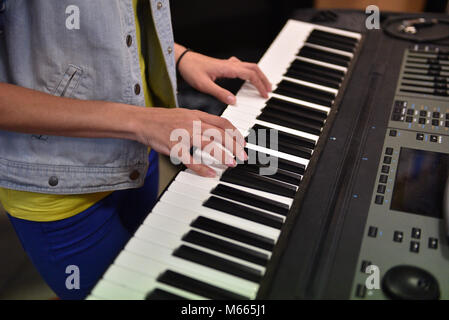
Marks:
<point>386,5</point>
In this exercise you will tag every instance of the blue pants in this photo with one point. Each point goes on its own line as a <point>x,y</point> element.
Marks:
<point>90,240</point>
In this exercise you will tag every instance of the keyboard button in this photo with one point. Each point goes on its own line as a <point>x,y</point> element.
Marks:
<point>383,178</point>
<point>433,243</point>
<point>381,188</point>
<point>420,136</point>
<point>389,151</point>
<point>398,236</point>
<point>379,199</point>
<point>414,246</point>
<point>416,233</point>
<point>372,232</point>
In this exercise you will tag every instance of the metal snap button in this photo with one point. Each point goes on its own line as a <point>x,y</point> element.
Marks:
<point>169,50</point>
<point>159,5</point>
<point>137,89</point>
<point>134,175</point>
<point>53,181</point>
<point>129,40</point>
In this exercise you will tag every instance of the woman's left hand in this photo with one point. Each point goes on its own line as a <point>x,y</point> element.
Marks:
<point>201,71</point>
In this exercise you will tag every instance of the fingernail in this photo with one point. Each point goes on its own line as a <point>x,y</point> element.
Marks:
<point>231,100</point>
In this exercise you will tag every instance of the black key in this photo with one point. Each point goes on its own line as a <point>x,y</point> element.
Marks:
<point>198,287</point>
<point>218,263</point>
<point>297,91</point>
<point>251,180</point>
<point>279,174</point>
<point>282,145</point>
<point>231,232</point>
<point>256,156</point>
<point>330,44</point>
<point>310,77</point>
<point>159,294</point>
<point>244,212</point>
<point>296,110</point>
<point>284,136</point>
<point>226,247</point>
<point>324,56</point>
<point>322,71</point>
<point>334,37</point>
<point>251,199</point>
<point>289,122</point>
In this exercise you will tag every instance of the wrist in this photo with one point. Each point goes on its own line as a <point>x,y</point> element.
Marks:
<point>179,49</point>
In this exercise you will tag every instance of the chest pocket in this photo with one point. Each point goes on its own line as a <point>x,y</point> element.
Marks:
<point>69,82</point>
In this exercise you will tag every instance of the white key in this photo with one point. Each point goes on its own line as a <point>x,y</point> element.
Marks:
<point>153,260</point>
<point>278,154</point>
<point>202,195</point>
<point>111,291</point>
<point>153,269</point>
<point>156,223</point>
<point>193,179</point>
<point>142,283</point>
<point>312,85</point>
<point>161,235</point>
<point>181,201</point>
<point>246,122</point>
<point>323,64</point>
<point>331,50</point>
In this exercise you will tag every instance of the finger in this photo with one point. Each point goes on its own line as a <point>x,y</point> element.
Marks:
<point>261,75</point>
<point>212,152</point>
<point>225,139</point>
<point>210,87</point>
<point>224,124</point>
<point>201,169</point>
<point>251,75</point>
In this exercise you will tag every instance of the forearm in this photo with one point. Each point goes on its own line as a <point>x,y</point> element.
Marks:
<point>30,111</point>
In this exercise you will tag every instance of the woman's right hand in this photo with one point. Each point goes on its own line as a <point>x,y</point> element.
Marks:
<point>155,127</point>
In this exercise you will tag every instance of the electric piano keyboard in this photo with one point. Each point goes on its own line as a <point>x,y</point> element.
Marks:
<point>213,238</point>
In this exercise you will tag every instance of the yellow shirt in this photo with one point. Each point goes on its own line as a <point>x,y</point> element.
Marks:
<point>50,207</point>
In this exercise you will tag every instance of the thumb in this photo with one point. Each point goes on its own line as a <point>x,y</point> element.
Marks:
<point>218,92</point>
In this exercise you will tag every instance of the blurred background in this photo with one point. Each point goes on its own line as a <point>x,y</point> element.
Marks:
<point>218,28</point>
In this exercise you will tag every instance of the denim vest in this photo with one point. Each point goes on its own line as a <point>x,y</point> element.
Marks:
<point>42,48</point>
